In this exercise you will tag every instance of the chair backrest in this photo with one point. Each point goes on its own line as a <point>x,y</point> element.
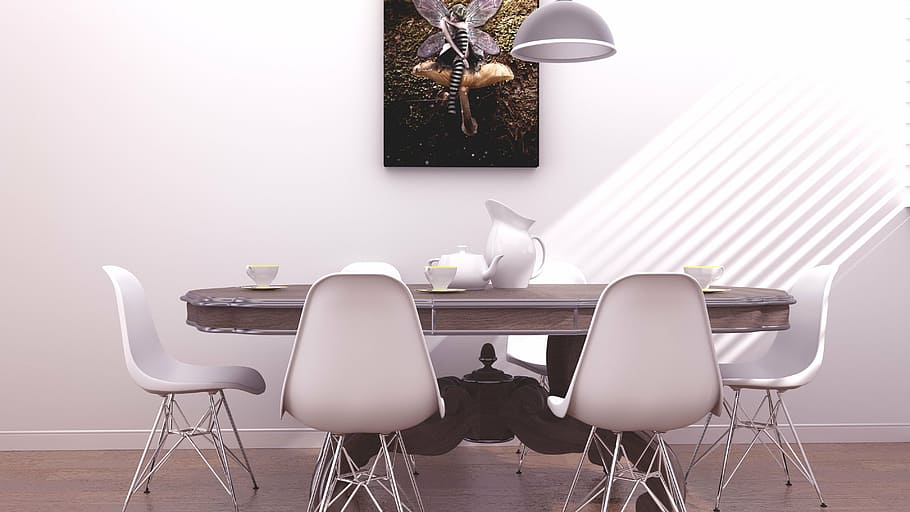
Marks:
<point>372,267</point>
<point>560,272</point>
<point>360,362</point>
<point>145,357</point>
<point>798,352</point>
<point>532,348</point>
<point>648,362</point>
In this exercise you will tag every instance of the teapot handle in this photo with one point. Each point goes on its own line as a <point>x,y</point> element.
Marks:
<point>543,257</point>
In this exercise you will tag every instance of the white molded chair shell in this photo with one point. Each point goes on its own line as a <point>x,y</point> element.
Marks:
<point>796,354</point>
<point>150,366</point>
<point>372,267</point>
<point>360,362</point>
<point>530,351</point>
<point>648,362</point>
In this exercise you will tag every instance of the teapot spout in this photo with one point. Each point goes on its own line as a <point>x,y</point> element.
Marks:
<point>491,270</point>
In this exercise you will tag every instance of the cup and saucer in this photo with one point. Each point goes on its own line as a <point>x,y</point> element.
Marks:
<point>439,277</point>
<point>705,275</point>
<point>262,275</point>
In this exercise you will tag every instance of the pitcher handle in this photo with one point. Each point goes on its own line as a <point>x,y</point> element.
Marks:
<point>433,262</point>
<point>543,257</point>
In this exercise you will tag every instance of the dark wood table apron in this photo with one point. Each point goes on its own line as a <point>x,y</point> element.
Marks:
<point>555,309</point>
<point>491,411</point>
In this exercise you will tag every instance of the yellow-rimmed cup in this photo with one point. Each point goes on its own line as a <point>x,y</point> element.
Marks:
<point>262,273</point>
<point>704,274</point>
<point>440,276</point>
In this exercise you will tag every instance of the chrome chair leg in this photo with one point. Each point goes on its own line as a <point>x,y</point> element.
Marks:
<point>215,429</point>
<point>522,449</point>
<point>317,483</point>
<point>723,467</point>
<point>693,460</point>
<point>148,444</point>
<point>412,471</point>
<point>653,462</point>
<point>761,432</point>
<point>246,461</point>
<point>330,485</point>
<point>810,475</point>
<point>167,424</point>
<point>161,438</point>
<point>772,420</point>
<point>581,461</point>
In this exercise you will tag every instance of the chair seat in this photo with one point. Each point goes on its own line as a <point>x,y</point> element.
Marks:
<point>184,378</point>
<point>528,352</point>
<point>759,375</point>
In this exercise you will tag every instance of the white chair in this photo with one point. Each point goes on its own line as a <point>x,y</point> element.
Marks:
<point>530,351</point>
<point>372,267</point>
<point>648,364</point>
<point>158,373</point>
<point>370,374</point>
<point>792,361</point>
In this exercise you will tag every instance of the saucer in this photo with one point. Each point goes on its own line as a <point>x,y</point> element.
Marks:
<point>268,287</point>
<point>715,290</point>
<point>445,290</point>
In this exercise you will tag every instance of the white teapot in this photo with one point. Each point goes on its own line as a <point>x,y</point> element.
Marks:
<point>473,272</point>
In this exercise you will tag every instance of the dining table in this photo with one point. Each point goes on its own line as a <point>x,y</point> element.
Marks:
<point>488,405</point>
<point>516,406</point>
<point>551,309</point>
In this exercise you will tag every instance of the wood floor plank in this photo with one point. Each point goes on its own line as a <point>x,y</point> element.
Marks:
<point>853,478</point>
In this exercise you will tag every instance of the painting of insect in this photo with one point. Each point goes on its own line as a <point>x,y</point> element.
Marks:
<point>453,96</point>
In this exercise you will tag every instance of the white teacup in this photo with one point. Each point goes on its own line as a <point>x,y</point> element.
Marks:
<point>440,276</point>
<point>704,274</point>
<point>262,274</point>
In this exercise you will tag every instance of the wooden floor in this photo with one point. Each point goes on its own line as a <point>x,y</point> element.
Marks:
<point>854,478</point>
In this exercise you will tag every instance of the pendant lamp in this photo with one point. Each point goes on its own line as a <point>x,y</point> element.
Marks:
<point>563,31</point>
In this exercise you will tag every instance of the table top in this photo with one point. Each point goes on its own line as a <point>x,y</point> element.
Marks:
<point>537,309</point>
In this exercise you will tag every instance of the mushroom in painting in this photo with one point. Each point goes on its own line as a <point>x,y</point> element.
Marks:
<point>488,74</point>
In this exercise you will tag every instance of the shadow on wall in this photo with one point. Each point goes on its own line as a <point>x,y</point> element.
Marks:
<point>767,174</point>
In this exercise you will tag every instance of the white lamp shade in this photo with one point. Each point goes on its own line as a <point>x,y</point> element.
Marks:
<point>563,31</point>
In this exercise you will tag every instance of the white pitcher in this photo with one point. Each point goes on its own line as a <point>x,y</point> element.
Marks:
<point>509,236</point>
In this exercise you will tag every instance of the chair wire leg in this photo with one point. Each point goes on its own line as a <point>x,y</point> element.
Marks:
<point>609,487</point>
<point>802,451</point>
<point>723,467</point>
<point>522,451</point>
<point>772,421</point>
<point>331,473</point>
<point>148,444</point>
<point>316,483</point>
<point>161,438</point>
<point>390,470</point>
<point>581,461</point>
<point>221,451</point>
<point>701,439</point>
<point>247,467</point>
<point>677,497</point>
<point>411,471</point>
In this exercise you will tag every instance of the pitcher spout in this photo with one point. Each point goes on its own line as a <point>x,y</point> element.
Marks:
<point>503,213</point>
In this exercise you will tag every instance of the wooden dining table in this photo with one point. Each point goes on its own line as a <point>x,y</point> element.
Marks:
<point>553,309</point>
<point>561,311</point>
<point>488,405</point>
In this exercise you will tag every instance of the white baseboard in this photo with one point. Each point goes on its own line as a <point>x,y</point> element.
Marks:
<point>808,433</point>
<point>135,439</point>
<point>308,438</point>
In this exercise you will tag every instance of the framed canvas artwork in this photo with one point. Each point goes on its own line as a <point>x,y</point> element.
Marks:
<point>453,96</point>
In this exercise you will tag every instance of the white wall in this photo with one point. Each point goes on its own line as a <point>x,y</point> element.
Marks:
<point>183,140</point>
